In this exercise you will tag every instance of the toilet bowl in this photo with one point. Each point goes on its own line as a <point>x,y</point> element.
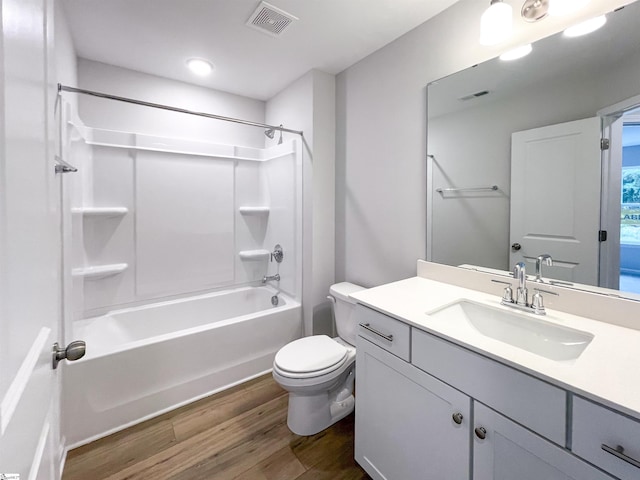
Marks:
<point>319,371</point>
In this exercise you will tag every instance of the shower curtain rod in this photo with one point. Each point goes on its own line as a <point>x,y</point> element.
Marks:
<point>64,88</point>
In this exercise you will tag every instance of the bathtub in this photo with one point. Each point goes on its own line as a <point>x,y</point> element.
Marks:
<point>147,360</point>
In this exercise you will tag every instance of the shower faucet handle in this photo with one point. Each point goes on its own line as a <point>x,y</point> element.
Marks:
<point>277,254</point>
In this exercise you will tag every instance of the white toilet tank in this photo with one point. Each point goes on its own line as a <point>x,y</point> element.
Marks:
<point>343,308</point>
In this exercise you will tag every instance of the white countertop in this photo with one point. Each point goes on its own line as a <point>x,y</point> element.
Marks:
<point>607,371</point>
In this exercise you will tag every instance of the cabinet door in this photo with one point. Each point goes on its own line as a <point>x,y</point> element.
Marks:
<point>510,452</point>
<point>404,420</point>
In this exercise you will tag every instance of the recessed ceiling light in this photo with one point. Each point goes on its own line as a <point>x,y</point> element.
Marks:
<point>199,66</point>
<point>585,27</point>
<point>516,53</point>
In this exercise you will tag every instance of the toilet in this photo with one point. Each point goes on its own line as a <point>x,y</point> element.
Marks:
<point>319,371</point>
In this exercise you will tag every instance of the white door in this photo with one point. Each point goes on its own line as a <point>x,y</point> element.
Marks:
<point>509,451</point>
<point>555,198</point>
<point>29,245</point>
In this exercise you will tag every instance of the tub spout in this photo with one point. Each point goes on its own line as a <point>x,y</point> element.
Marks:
<point>275,277</point>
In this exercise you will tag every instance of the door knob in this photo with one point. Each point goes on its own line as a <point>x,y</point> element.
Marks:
<point>74,351</point>
<point>457,418</point>
<point>516,246</point>
<point>481,433</point>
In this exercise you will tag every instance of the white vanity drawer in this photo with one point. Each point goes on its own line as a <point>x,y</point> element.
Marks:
<point>595,428</point>
<point>384,331</point>
<point>531,402</point>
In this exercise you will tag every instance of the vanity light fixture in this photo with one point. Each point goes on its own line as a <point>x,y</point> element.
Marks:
<point>496,23</point>
<point>586,27</point>
<point>200,66</point>
<point>534,10</point>
<point>516,53</point>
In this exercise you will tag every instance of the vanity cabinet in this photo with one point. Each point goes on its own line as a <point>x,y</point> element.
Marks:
<point>606,438</point>
<point>414,408</point>
<point>409,425</point>
<point>509,451</point>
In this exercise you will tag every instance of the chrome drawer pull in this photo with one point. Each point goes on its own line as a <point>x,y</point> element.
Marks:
<point>619,452</point>
<point>367,326</point>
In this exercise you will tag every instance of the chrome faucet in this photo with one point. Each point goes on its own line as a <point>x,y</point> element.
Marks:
<point>268,278</point>
<point>521,301</point>
<point>520,272</point>
<point>546,258</point>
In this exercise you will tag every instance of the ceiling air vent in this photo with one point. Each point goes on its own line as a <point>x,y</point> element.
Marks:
<point>270,20</point>
<point>474,95</point>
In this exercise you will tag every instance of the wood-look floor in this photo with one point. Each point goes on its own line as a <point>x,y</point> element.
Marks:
<point>239,434</point>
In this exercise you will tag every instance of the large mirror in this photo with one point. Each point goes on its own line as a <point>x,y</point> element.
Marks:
<point>516,165</point>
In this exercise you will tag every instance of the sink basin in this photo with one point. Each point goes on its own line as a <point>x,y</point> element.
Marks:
<point>521,330</point>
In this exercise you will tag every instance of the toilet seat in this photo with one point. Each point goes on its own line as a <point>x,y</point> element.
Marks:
<point>310,357</point>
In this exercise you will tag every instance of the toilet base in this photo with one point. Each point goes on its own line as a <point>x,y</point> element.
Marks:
<point>310,414</point>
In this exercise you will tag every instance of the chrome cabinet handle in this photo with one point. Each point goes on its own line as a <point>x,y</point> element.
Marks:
<point>619,452</point>
<point>367,326</point>
<point>457,418</point>
<point>481,432</point>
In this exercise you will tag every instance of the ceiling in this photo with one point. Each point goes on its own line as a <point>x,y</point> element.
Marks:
<point>157,36</point>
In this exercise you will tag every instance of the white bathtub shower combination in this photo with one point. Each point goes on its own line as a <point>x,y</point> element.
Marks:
<point>155,222</point>
<point>146,360</point>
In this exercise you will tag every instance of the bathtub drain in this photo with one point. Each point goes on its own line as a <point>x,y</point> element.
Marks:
<point>274,300</point>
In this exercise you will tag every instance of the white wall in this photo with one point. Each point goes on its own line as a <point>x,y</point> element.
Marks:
<point>381,128</point>
<point>65,53</point>
<point>470,150</point>
<point>308,104</point>
<point>113,115</point>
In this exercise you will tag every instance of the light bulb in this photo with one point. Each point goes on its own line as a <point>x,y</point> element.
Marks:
<point>586,27</point>
<point>516,53</point>
<point>496,23</point>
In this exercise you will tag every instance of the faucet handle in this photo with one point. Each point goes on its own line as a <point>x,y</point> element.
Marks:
<point>507,296</point>
<point>537,303</point>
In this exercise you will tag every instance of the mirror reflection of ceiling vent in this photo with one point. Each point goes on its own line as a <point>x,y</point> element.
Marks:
<point>270,20</point>
<point>474,95</point>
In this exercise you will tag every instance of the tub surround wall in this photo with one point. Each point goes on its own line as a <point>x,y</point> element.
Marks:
<point>163,217</point>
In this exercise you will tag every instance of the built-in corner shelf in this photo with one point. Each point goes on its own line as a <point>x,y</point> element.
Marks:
<point>99,271</point>
<point>254,255</point>
<point>254,210</point>
<point>101,211</point>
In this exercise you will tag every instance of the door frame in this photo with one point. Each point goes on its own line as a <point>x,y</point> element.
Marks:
<point>609,272</point>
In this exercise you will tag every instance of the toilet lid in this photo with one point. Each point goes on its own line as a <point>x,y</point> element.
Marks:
<point>310,354</point>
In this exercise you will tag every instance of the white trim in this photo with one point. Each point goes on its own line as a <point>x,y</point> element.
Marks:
<point>37,458</point>
<point>627,104</point>
<point>19,383</point>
